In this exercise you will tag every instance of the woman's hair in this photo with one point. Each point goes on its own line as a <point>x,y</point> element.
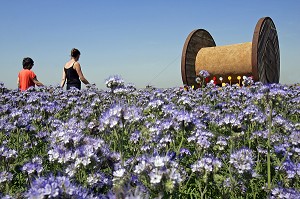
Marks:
<point>75,52</point>
<point>27,63</point>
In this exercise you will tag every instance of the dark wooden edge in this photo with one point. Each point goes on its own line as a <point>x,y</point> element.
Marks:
<point>255,42</point>
<point>191,51</point>
<point>183,57</point>
<point>255,47</point>
<point>258,36</point>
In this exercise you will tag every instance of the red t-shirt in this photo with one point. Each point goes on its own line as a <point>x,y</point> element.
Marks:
<point>26,79</point>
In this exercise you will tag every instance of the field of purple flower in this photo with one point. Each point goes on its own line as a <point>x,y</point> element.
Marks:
<point>213,142</point>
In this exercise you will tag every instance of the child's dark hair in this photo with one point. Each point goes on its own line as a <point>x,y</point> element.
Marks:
<point>27,63</point>
<point>75,52</point>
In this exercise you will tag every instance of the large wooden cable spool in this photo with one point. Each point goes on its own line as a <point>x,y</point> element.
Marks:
<point>259,58</point>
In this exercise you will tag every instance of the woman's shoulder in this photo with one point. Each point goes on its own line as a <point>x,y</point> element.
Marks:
<point>69,64</point>
<point>76,64</point>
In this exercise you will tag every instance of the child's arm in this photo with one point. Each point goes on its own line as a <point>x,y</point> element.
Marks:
<point>18,83</point>
<point>63,80</point>
<point>37,82</point>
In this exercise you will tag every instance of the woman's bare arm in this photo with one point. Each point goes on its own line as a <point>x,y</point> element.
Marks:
<point>63,80</point>
<point>80,74</point>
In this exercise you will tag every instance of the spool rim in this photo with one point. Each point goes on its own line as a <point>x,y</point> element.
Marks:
<point>196,40</point>
<point>265,32</point>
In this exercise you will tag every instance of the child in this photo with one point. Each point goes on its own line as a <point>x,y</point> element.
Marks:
<point>26,77</point>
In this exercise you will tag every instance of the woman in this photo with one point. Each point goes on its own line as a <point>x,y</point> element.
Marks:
<point>72,72</point>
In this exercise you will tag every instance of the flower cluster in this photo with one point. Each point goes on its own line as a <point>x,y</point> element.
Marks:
<point>207,164</point>
<point>204,74</point>
<point>114,82</point>
<point>35,165</point>
<point>242,160</point>
<point>285,193</point>
<point>211,142</point>
<point>163,170</point>
<point>247,81</point>
<point>5,176</point>
<point>56,187</point>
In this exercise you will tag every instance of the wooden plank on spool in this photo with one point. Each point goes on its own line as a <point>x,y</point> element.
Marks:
<point>196,40</point>
<point>265,52</point>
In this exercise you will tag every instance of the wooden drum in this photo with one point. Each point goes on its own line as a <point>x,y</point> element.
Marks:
<point>259,58</point>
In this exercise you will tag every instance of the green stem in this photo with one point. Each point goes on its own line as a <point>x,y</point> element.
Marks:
<point>204,191</point>
<point>182,138</point>
<point>269,168</point>
<point>116,140</point>
<point>269,146</point>
<point>281,162</point>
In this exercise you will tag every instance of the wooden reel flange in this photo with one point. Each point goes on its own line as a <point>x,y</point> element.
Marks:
<point>259,58</point>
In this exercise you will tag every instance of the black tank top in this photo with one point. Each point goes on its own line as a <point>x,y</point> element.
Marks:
<point>72,76</point>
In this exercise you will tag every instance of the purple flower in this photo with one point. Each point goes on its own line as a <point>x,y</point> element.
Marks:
<point>281,149</point>
<point>227,183</point>
<point>295,138</point>
<point>114,82</point>
<point>155,104</point>
<point>7,197</point>
<point>242,160</point>
<point>184,151</point>
<point>183,116</point>
<point>202,138</point>
<point>185,101</point>
<point>247,81</point>
<point>34,166</point>
<point>260,134</point>
<point>111,117</point>
<point>230,119</point>
<point>160,169</point>
<point>222,142</point>
<point>204,74</point>
<point>136,193</point>
<point>141,166</point>
<point>164,141</point>
<point>286,193</point>
<point>59,153</point>
<point>206,164</point>
<point>120,90</point>
<point>57,187</point>
<point>290,168</point>
<point>8,153</point>
<point>132,114</point>
<point>119,173</point>
<point>5,176</point>
<point>135,136</point>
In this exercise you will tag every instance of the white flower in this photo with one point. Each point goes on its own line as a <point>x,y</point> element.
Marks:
<point>71,170</point>
<point>119,173</point>
<point>85,161</point>
<point>155,176</point>
<point>158,161</point>
<point>140,167</point>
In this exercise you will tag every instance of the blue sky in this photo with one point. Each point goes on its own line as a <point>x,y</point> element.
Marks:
<point>141,41</point>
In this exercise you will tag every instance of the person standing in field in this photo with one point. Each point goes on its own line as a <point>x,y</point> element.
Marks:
<point>26,77</point>
<point>72,72</point>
